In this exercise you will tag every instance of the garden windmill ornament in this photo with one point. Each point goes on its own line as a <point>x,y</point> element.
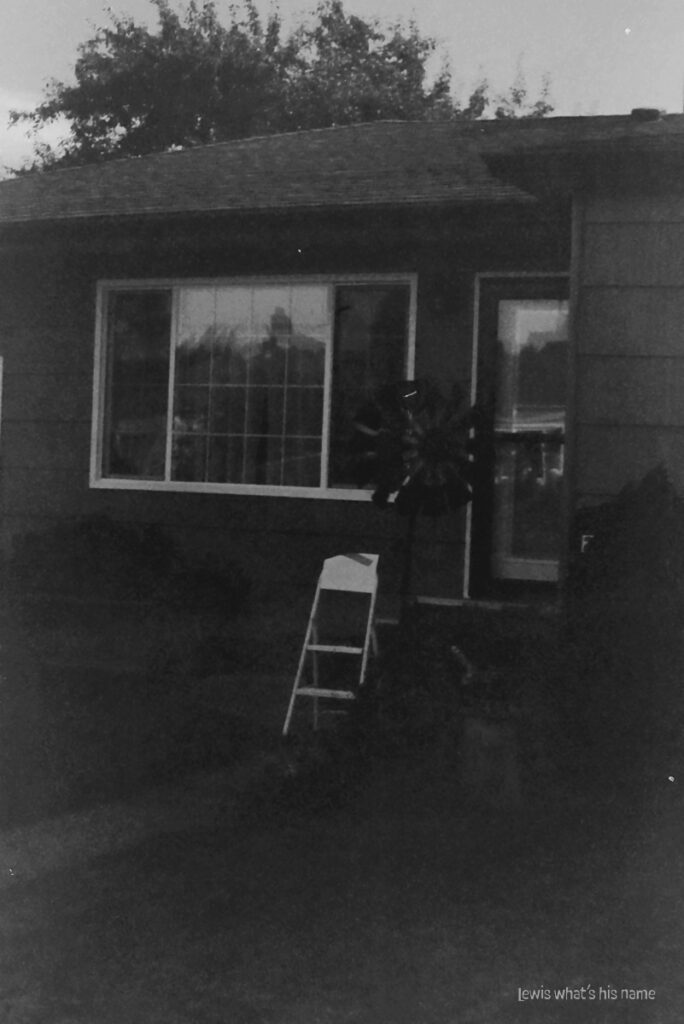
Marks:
<point>415,446</point>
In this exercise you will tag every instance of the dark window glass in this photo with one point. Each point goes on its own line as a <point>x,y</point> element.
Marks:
<point>137,381</point>
<point>369,350</point>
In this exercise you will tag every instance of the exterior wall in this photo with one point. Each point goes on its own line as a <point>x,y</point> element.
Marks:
<point>629,373</point>
<point>48,282</point>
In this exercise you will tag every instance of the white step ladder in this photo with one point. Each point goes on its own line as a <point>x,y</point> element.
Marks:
<point>352,574</point>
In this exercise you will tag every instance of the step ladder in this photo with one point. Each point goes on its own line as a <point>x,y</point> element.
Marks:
<point>350,574</point>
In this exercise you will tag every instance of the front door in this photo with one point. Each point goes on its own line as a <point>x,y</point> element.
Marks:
<point>522,357</point>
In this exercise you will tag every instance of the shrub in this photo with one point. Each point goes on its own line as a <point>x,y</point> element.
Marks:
<point>96,559</point>
<point>625,614</point>
<point>27,780</point>
<point>123,703</point>
<point>93,556</point>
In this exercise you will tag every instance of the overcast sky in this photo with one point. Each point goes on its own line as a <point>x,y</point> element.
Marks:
<point>603,56</point>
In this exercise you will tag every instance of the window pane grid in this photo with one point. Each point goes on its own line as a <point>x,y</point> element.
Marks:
<point>249,369</point>
<point>243,384</point>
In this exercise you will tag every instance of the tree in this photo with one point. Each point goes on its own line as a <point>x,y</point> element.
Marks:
<point>351,71</point>
<point>193,80</point>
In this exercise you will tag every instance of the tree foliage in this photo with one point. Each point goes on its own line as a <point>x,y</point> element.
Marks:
<point>193,80</point>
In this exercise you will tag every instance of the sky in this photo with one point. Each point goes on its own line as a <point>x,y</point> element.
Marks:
<point>602,56</point>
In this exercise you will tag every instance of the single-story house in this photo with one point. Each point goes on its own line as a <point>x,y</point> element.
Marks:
<point>185,337</point>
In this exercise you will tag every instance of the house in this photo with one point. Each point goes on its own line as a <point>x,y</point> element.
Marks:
<point>186,336</point>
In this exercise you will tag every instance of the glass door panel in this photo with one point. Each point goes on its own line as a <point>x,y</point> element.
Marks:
<point>529,433</point>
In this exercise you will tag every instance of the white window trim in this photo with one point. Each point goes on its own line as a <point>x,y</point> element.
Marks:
<point>98,481</point>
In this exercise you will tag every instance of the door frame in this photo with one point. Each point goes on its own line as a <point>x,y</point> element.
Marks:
<point>480,278</point>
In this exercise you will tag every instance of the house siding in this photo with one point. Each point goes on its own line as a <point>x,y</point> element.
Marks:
<point>48,287</point>
<point>629,342</point>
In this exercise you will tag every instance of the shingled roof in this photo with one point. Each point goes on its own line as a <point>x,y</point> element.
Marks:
<point>386,163</point>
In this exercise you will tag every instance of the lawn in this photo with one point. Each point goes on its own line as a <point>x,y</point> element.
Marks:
<point>402,906</point>
<point>367,883</point>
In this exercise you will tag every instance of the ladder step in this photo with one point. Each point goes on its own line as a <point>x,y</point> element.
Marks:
<point>315,691</point>
<point>334,649</point>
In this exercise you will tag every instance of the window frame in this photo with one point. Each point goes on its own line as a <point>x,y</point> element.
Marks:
<point>104,287</point>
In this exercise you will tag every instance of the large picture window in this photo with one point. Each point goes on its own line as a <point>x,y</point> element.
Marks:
<point>242,386</point>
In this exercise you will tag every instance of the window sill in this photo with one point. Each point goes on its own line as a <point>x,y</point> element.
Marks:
<point>250,490</point>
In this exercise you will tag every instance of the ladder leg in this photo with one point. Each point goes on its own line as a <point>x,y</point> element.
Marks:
<point>316,675</point>
<point>370,636</point>
<point>300,666</point>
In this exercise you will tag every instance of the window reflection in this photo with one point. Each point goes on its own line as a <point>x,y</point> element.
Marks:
<point>259,354</point>
<point>243,376</point>
<point>371,337</point>
<point>529,437</point>
<point>136,395</point>
<point>531,364</point>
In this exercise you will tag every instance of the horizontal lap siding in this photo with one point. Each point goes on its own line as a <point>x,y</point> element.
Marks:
<point>639,255</point>
<point>641,391</point>
<point>47,397</point>
<point>636,209</point>
<point>629,400</point>
<point>609,457</point>
<point>47,324</point>
<point>631,322</point>
<point>46,331</point>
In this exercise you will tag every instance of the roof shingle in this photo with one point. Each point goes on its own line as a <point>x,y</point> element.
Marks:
<point>383,163</point>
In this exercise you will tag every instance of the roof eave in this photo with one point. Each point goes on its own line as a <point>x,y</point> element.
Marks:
<point>633,164</point>
<point>511,197</point>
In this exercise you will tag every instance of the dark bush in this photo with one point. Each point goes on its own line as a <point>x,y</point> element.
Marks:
<point>98,559</point>
<point>635,541</point>
<point>625,616</point>
<point>223,589</point>
<point>414,694</point>
<point>88,729</point>
<point>25,756</point>
<point>94,556</point>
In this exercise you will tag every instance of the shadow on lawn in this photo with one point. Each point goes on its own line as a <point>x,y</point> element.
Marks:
<point>108,635</point>
<point>359,874</point>
<point>514,704</point>
<point>80,726</point>
<point>362,875</point>
<point>97,712</point>
<point>494,735</point>
<point>354,880</point>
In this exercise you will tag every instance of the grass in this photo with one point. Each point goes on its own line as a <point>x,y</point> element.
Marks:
<point>382,894</point>
<point>400,907</point>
